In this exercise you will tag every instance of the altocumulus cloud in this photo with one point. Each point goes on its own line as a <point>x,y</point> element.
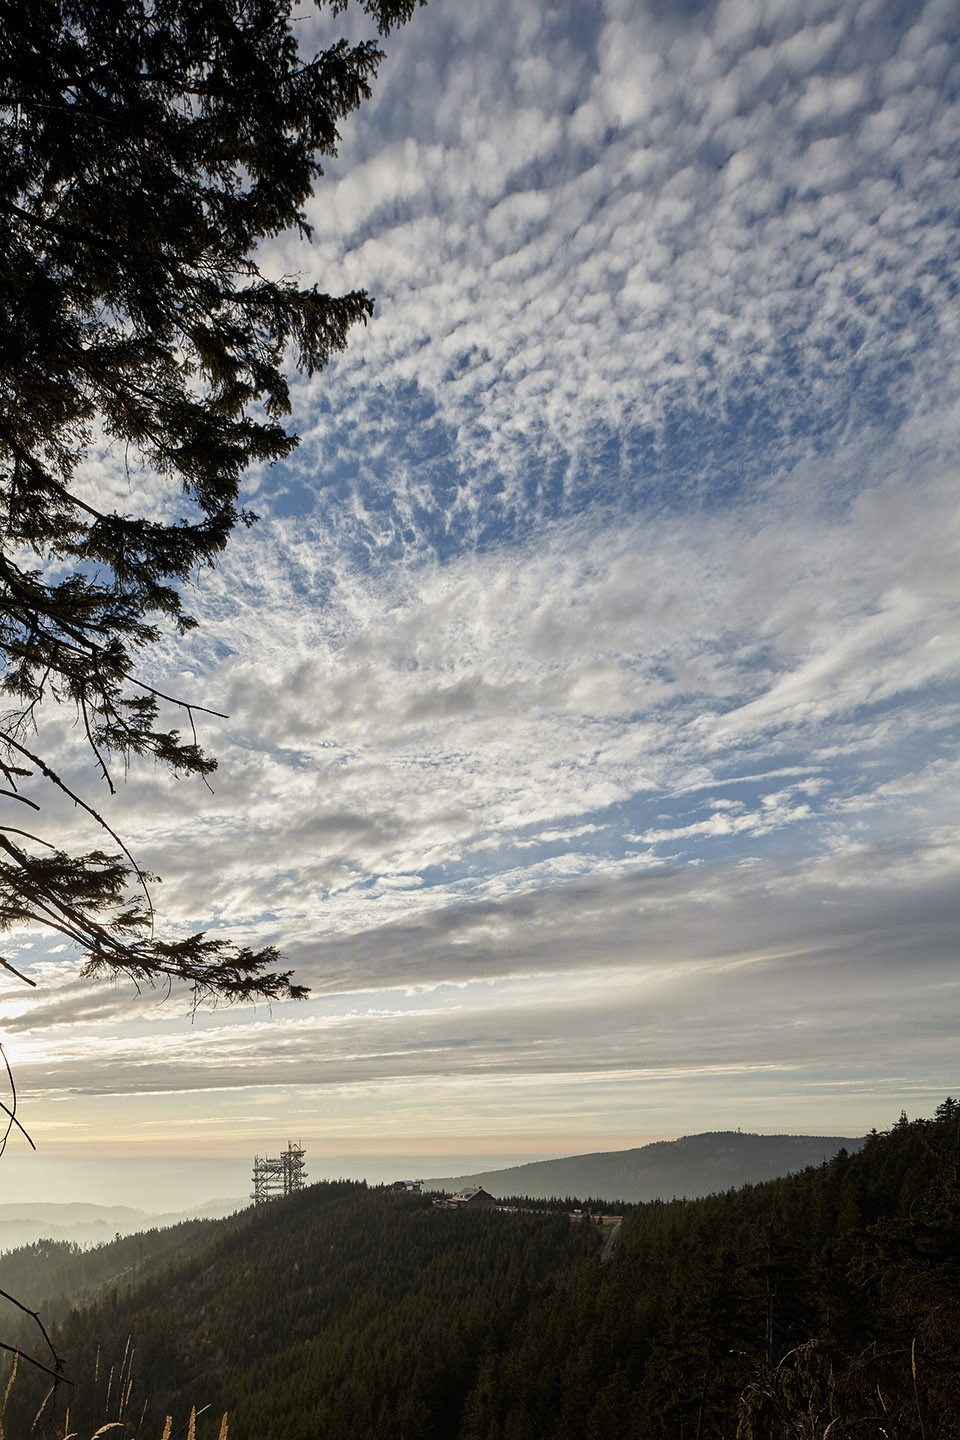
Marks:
<point>592,675</point>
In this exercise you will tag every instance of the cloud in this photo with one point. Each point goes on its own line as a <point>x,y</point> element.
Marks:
<point>417,735</point>
<point>732,245</point>
<point>600,641</point>
<point>711,971</point>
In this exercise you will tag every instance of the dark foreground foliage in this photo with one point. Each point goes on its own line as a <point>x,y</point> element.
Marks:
<point>824,1306</point>
<point>147,151</point>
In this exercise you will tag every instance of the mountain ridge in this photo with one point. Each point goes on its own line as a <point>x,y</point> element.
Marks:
<point>86,1223</point>
<point>689,1167</point>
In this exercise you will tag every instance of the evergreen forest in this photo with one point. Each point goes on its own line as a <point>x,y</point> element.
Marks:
<point>822,1306</point>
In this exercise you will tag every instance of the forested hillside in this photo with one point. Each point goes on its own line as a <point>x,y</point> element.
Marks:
<point>827,1297</point>
<point>825,1302</point>
<point>340,1311</point>
<point>56,1275</point>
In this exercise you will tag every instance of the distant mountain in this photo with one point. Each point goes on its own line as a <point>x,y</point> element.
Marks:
<point>690,1167</point>
<point>87,1224</point>
<point>82,1224</point>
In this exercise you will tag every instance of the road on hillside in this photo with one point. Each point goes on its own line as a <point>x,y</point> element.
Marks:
<point>610,1242</point>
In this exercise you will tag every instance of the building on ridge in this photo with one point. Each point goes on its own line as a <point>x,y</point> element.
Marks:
<point>475,1198</point>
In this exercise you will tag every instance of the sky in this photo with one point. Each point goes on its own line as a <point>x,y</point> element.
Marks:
<point>592,674</point>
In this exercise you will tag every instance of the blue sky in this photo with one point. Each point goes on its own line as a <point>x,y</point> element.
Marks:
<point>592,673</point>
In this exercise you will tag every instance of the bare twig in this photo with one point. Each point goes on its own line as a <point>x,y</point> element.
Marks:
<point>94,747</point>
<point>27,835</point>
<point>20,976</point>
<point>12,795</point>
<point>11,1110</point>
<point>57,1371</point>
<point>58,1375</point>
<point>187,705</point>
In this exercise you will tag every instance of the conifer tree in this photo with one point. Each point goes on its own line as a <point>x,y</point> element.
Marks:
<point>147,147</point>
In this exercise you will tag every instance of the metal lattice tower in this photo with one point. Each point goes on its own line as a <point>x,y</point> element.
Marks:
<point>280,1176</point>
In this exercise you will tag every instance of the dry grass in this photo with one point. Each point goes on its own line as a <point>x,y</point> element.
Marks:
<point>118,1383</point>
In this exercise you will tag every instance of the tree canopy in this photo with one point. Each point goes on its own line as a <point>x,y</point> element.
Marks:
<point>147,147</point>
